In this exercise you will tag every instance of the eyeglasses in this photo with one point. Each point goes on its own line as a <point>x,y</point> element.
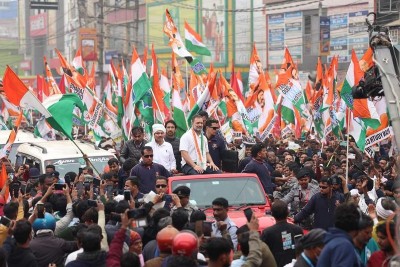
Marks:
<point>323,186</point>
<point>148,156</point>
<point>161,185</point>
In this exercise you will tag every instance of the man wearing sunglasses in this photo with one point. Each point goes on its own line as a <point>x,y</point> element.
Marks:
<point>216,145</point>
<point>147,171</point>
<point>196,158</point>
<point>322,205</point>
<point>162,190</point>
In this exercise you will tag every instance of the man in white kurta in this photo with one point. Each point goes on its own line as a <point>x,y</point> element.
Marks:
<point>163,152</point>
<point>194,150</point>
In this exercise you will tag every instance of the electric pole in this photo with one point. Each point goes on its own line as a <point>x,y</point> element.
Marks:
<point>101,43</point>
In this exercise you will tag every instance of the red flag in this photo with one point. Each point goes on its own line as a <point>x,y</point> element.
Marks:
<point>61,85</point>
<point>40,87</point>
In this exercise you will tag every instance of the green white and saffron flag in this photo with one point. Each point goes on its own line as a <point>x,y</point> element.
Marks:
<point>204,97</point>
<point>60,112</point>
<point>358,130</point>
<point>178,114</point>
<point>179,48</point>
<point>193,41</point>
<point>164,85</point>
<point>78,64</point>
<point>140,81</point>
<point>287,110</point>
<point>44,130</point>
<point>353,77</point>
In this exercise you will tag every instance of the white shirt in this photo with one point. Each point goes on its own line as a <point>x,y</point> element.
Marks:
<point>163,154</point>
<point>231,227</point>
<point>187,144</point>
<point>73,255</point>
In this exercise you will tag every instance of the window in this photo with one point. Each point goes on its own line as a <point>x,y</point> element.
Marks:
<point>388,6</point>
<point>394,36</point>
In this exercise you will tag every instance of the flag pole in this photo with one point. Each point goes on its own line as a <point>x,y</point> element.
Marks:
<point>187,79</point>
<point>347,142</point>
<point>87,160</point>
<point>158,107</point>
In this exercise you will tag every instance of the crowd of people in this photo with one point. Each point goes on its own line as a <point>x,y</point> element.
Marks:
<point>329,210</point>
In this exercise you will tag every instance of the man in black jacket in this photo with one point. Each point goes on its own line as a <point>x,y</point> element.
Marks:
<point>17,248</point>
<point>132,147</point>
<point>322,205</point>
<point>280,237</point>
<point>92,255</point>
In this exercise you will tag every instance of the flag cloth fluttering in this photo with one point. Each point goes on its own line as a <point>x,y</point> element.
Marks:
<point>194,42</point>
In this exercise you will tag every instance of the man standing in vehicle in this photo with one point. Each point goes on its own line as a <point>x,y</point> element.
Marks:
<point>147,171</point>
<point>132,147</point>
<point>163,152</point>
<point>171,138</point>
<point>258,166</point>
<point>216,145</point>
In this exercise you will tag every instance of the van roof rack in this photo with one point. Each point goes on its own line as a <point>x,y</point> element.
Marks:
<point>44,150</point>
<point>89,143</point>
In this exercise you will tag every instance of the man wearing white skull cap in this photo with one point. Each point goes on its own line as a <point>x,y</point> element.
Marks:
<point>163,152</point>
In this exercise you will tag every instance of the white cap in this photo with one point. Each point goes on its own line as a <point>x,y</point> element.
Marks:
<point>158,127</point>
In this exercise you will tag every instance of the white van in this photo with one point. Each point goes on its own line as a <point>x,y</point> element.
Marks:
<point>64,155</point>
<point>22,137</point>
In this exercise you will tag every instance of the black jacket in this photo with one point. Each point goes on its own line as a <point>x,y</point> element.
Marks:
<point>130,150</point>
<point>17,256</point>
<point>323,209</point>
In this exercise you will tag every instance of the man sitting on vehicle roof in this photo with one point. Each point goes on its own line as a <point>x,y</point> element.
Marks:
<point>196,158</point>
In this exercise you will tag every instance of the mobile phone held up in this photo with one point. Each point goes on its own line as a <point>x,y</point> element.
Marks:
<point>40,210</point>
<point>248,212</point>
<point>59,187</point>
<point>5,221</point>
<point>92,203</point>
<point>127,195</point>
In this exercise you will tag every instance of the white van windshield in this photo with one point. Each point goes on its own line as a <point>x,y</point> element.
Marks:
<point>73,164</point>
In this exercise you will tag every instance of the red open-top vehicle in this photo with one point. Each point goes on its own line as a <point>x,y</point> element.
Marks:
<point>242,190</point>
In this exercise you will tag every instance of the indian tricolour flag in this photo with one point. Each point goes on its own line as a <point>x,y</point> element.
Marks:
<point>178,114</point>
<point>204,97</point>
<point>78,63</point>
<point>58,114</point>
<point>140,81</point>
<point>193,41</point>
<point>164,85</point>
<point>287,109</point>
<point>358,130</point>
<point>353,77</point>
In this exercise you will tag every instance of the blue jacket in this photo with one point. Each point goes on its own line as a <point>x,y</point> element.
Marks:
<point>262,170</point>
<point>339,250</point>
<point>323,209</point>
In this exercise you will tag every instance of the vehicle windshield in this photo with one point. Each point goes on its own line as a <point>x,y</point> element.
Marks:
<point>73,164</point>
<point>238,191</point>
